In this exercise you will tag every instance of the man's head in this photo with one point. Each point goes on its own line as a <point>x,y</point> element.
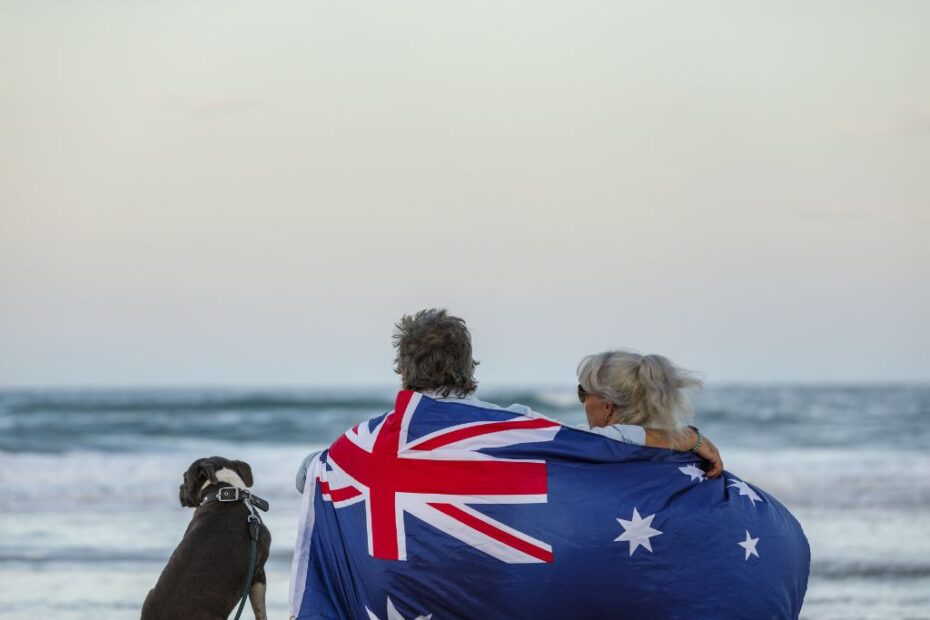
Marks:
<point>433,352</point>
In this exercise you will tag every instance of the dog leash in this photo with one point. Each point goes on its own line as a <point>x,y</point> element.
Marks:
<point>235,494</point>
<point>254,531</point>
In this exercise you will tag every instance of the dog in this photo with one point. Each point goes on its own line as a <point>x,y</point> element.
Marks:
<point>204,577</point>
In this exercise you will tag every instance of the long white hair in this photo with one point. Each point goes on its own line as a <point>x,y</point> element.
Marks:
<point>647,390</point>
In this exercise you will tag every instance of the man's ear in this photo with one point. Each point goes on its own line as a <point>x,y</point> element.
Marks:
<point>245,472</point>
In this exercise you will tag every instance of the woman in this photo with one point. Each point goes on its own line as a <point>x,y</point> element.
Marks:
<point>640,399</point>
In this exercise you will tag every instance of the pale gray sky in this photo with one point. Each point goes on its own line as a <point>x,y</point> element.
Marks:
<point>251,193</point>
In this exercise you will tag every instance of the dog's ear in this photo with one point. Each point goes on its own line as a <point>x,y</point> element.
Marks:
<point>197,474</point>
<point>190,488</point>
<point>209,472</point>
<point>245,472</point>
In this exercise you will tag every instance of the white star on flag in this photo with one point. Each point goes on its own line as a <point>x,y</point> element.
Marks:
<point>745,489</point>
<point>637,531</point>
<point>694,471</point>
<point>393,614</point>
<point>749,545</point>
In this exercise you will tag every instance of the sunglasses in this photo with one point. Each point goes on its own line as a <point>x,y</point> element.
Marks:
<point>582,393</point>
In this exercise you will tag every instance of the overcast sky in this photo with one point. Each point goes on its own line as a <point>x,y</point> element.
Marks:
<point>251,193</point>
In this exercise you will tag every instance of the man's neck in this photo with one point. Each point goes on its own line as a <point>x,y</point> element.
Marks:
<point>437,394</point>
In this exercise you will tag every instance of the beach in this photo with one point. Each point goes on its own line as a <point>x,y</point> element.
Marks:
<point>90,512</point>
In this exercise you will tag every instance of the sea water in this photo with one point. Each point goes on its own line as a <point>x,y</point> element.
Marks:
<point>89,508</point>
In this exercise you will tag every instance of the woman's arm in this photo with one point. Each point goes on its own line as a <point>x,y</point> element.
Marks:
<point>656,438</point>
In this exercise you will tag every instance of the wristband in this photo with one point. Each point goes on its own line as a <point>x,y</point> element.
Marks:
<point>700,438</point>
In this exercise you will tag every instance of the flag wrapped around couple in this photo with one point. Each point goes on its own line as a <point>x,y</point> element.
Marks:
<point>453,509</point>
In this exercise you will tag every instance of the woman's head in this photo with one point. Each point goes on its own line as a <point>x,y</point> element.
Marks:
<point>622,387</point>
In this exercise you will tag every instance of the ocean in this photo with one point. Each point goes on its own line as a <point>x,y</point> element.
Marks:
<point>89,507</point>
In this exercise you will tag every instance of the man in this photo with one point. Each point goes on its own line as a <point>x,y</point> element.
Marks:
<point>449,506</point>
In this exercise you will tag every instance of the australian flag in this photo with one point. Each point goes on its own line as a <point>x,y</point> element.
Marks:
<point>446,509</point>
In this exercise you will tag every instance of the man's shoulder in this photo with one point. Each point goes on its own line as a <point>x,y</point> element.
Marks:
<point>473,401</point>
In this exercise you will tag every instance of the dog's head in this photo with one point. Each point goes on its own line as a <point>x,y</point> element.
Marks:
<point>213,469</point>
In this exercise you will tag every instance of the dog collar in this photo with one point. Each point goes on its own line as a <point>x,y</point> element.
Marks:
<point>235,494</point>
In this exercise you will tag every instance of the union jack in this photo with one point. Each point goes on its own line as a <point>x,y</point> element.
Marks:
<point>436,478</point>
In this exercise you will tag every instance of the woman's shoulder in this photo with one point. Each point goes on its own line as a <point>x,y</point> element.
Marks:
<point>627,433</point>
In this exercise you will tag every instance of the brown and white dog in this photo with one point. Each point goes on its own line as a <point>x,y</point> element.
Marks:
<point>204,576</point>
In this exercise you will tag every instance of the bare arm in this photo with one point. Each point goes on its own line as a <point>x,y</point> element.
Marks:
<point>656,438</point>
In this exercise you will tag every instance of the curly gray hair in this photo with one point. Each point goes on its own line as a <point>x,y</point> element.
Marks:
<point>647,390</point>
<point>433,352</point>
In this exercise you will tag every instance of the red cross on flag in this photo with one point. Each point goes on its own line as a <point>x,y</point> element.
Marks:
<point>436,478</point>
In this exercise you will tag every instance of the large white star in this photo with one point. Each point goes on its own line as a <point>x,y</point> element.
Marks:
<point>393,614</point>
<point>694,471</point>
<point>745,489</point>
<point>637,531</point>
<point>749,545</point>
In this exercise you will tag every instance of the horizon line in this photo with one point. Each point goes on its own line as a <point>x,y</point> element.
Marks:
<point>487,385</point>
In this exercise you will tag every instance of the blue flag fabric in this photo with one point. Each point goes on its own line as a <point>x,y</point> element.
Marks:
<point>458,509</point>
